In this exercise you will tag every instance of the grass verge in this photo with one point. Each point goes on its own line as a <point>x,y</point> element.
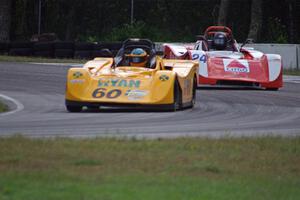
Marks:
<point>245,168</point>
<point>3,107</point>
<point>295,72</point>
<point>4,58</point>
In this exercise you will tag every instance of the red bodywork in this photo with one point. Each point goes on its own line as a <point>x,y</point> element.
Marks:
<point>233,66</point>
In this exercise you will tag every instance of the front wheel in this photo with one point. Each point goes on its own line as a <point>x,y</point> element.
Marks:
<point>272,89</point>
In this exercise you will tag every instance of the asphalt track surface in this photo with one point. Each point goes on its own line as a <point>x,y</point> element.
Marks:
<point>35,94</point>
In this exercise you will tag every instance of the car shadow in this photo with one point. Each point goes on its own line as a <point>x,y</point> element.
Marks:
<point>229,88</point>
<point>124,110</point>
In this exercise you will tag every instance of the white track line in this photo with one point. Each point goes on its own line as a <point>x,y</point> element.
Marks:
<point>291,79</point>
<point>19,105</point>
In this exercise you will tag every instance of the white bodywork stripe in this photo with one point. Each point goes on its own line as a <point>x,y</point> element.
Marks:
<point>177,50</point>
<point>203,69</point>
<point>274,62</point>
<point>197,55</point>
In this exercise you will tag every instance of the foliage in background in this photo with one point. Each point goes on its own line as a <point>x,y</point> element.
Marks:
<point>295,72</point>
<point>137,29</point>
<point>159,20</point>
<point>276,31</point>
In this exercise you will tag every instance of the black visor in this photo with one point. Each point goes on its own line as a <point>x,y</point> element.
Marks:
<point>137,59</point>
<point>220,41</point>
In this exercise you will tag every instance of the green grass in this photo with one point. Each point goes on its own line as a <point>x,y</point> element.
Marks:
<point>3,107</point>
<point>295,72</point>
<point>4,58</point>
<point>245,168</point>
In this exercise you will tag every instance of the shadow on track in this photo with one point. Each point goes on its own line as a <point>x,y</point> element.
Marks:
<point>125,110</point>
<point>230,88</point>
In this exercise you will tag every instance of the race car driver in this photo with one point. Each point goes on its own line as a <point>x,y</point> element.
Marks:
<point>138,58</point>
<point>220,41</point>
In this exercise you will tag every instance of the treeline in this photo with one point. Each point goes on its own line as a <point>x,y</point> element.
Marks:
<point>159,20</point>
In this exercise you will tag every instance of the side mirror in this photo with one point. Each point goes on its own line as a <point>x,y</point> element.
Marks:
<point>248,41</point>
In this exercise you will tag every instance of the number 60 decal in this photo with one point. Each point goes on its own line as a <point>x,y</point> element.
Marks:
<point>101,92</point>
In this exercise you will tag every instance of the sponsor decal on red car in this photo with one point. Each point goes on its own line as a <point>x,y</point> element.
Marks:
<point>236,66</point>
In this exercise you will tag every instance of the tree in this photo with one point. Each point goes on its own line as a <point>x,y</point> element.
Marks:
<point>22,24</point>
<point>5,19</point>
<point>291,26</point>
<point>256,19</point>
<point>223,12</point>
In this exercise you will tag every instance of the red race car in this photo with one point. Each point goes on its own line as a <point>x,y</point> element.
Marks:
<point>223,62</point>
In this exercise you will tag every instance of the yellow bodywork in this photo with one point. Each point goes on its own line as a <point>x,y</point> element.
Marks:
<point>98,81</point>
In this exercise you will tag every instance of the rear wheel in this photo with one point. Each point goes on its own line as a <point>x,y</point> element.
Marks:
<point>193,102</point>
<point>73,108</point>
<point>177,105</point>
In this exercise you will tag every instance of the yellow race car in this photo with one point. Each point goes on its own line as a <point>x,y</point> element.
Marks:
<point>135,77</point>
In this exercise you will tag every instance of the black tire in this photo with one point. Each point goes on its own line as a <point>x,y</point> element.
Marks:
<point>43,46</point>
<point>47,54</point>
<point>21,45</point>
<point>193,102</point>
<point>20,52</point>
<point>73,108</point>
<point>82,54</point>
<point>272,89</point>
<point>3,52</point>
<point>63,45</point>
<point>177,105</point>
<point>84,46</point>
<point>63,53</point>
<point>4,46</point>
